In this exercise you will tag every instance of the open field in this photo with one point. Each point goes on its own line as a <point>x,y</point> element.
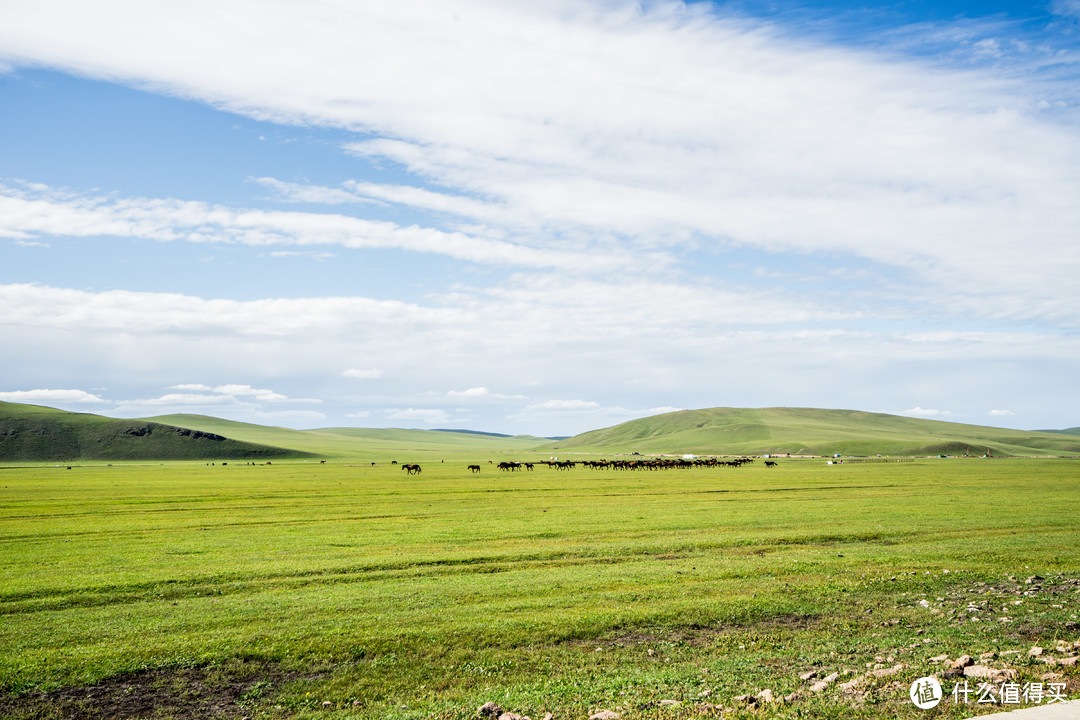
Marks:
<point>346,590</point>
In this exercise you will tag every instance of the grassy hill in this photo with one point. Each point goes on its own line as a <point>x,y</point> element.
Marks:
<point>1067,431</point>
<point>376,444</point>
<point>808,431</point>
<point>32,433</point>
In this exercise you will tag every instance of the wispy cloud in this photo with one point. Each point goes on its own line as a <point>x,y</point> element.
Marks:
<point>27,212</point>
<point>430,416</point>
<point>50,396</point>
<point>926,412</point>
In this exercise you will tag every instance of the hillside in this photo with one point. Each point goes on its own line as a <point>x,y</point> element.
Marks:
<point>1067,431</point>
<point>807,431</point>
<point>32,433</point>
<point>359,443</point>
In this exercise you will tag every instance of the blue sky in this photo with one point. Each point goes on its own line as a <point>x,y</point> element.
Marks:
<point>542,220</point>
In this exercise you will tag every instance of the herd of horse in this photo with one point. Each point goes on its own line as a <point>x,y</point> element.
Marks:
<point>640,464</point>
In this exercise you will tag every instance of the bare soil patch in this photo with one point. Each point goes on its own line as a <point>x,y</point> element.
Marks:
<point>200,693</point>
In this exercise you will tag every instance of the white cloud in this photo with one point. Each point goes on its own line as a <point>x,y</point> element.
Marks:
<point>1001,413</point>
<point>50,396</point>
<point>431,416</point>
<point>662,410</point>
<point>925,412</point>
<point>564,405</point>
<point>1068,8</point>
<point>31,211</point>
<point>311,254</point>
<point>476,392</point>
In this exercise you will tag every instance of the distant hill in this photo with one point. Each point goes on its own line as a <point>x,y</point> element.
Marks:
<point>471,432</point>
<point>808,431</point>
<point>1067,431</point>
<point>32,433</point>
<point>379,444</point>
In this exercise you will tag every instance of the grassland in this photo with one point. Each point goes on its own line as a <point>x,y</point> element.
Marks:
<point>814,431</point>
<point>373,444</point>
<point>350,590</point>
<point>32,433</point>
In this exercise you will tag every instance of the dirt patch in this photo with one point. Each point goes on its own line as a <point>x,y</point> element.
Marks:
<point>201,693</point>
<point>697,635</point>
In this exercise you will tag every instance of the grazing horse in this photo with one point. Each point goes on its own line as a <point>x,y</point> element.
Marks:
<point>475,468</point>
<point>411,469</point>
<point>770,463</point>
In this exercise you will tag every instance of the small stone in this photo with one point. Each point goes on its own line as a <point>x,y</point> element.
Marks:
<point>670,703</point>
<point>489,709</point>
<point>766,696</point>
<point>1035,651</point>
<point>604,715</point>
<point>886,672</point>
<point>747,700</point>
<point>793,697</point>
<point>326,703</point>
<point>963,661</point>
<point>818,686</point>
<point>513,716</point>
<point>939,658</point>
<point>808,675</point>
<point>852,686</point>
<point>1068,662</point>
<point>989,673</point>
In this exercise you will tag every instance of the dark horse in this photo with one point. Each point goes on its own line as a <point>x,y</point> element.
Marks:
<point>475,468</point>
<point>411,469</point>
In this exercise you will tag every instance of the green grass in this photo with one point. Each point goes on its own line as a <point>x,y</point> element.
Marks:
<point>31,433</point>
<point>361,444</point>
<point>391,596</point>
<point>812,431</point>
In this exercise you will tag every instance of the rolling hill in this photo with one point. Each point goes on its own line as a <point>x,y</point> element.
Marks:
<point>1067,431</point>
<point>32,433</point>
<point>359,443</point>
<point>809,431</point>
